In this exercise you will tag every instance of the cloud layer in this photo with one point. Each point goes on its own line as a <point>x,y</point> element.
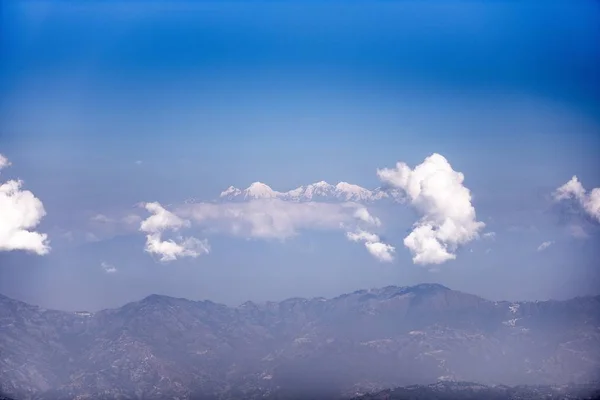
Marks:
<point>20,212</point>
<point>573,190</point>
<point>448,217</point>
<point>274,218</point>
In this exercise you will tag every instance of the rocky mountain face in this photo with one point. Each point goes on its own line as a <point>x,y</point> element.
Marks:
<point>369,340</point>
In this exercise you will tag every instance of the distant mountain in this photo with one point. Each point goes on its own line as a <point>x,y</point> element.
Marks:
<point>467,390</point>
<point>343,191</point>
<point>357,343</point>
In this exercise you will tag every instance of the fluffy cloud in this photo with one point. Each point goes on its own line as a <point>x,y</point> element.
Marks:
<point>20,211</point>
<point>363,215</point>
<point>544,245</point>
<point>161,219</point>
<point>379,250</point>
<point>589,202</point>
<point>448,217</point>
<point>169,250</point>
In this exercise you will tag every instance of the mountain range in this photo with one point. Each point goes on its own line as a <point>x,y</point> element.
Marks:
<point>351,345</point>
<point>322,191</point>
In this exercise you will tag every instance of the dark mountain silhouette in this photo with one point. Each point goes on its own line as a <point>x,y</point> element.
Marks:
<point>357,343</point>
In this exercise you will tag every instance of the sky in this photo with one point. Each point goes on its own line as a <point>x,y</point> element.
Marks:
<point>455,127</point>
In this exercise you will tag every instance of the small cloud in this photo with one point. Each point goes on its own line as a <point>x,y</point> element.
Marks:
<point>381,251</point>
<point>91,237</point>
<point>489,235</point>
<point>138,162</point>
<point>488,251</point>
<point>573,190</point>
<point>101,218</point>
<point>169,250</point>
<point>578,232</point>
<point>108,268</point>
<point>4,162</point>
<point>545,245</point>
<point>363,214</point>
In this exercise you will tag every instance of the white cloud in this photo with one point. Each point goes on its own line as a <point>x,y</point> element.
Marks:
<point>363,215</point>
<point>544,245</point>
<point>381,251</point>
<point>489,235</point>
<point>161,219</point>
<point>20,211</point>
<point>108,268</point>
<point>4,162</point>
<point>589,202</point>
<point>169,250</point>
<point>361,235</point>
<point>271,218</point>
<point>448,217</point>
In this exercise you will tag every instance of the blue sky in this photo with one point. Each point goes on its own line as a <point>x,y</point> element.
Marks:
<point>211,94</point>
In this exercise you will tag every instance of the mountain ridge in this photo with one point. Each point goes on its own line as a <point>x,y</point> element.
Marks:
<point>366,340</point>
<point>322,190</point>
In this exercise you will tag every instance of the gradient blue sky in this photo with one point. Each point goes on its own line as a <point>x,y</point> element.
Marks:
<point>212,94</point>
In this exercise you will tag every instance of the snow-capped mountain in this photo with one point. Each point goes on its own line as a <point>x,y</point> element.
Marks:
<point>322,190</point>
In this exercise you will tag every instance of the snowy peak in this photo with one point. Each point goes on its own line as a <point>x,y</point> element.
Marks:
<point>258,190</point>
<point>349,191</point>
<point>322,190</point>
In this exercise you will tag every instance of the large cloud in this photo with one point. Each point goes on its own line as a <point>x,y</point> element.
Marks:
<point>20,211</point>
<point>448,217</point>
<point>589,202</point>
<point>274,218</point>
<point>169,250</point>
